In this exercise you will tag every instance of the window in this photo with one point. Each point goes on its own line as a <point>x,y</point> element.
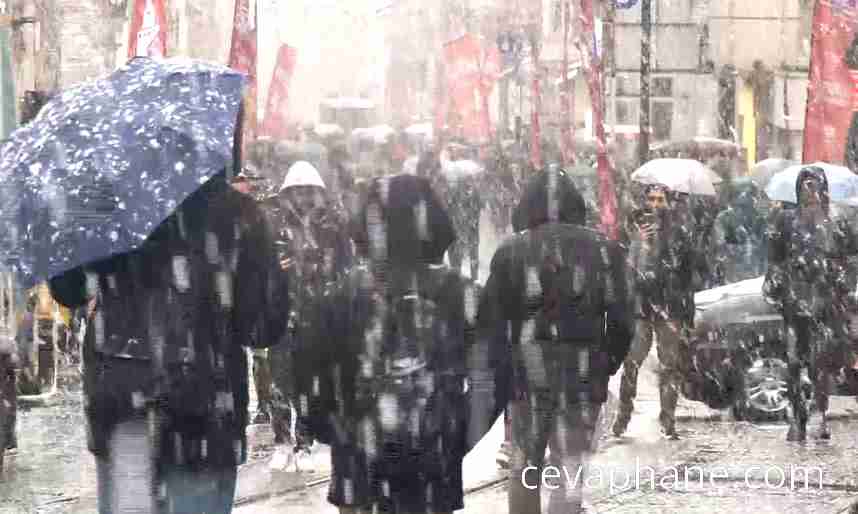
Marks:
<point>625,112</point>
<point>661,120</point>
<point>621,86</point>
<point>662,86</point>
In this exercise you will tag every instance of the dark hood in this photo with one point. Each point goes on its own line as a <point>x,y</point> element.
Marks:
<point>390,210</point>
<point>533,210</point>
<point>818,175</point>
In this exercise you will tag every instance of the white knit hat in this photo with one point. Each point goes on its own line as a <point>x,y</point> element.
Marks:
<point>302,173</point>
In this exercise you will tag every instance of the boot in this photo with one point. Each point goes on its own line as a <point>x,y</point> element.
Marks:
<point>622,422</point>
<point>824,432</point>
<point>797,431</point>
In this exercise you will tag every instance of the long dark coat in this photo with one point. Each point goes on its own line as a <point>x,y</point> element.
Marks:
<point>558,297</point>
<point>366,337</point>
<point>169,321</point>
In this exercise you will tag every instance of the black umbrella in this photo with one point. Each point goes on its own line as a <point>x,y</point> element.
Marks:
<point>105,162</point>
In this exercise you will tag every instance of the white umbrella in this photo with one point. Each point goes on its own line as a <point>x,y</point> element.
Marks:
<point>681,175</point>
<point>455,170</point>
<point>410,165</point>
<point>420,129</point>
<point>842,183</point>
<point>328,129</point>
<point>764,170</point>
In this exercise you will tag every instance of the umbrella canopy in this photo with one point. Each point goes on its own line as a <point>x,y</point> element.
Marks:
<point>701,148</point>
<point>378,134</point>
<point>681,175</point>
<point>327,130</point>
<point>842,183</point>
<point>764,170</point>
<point>461,169</point>
<point>105,162</point>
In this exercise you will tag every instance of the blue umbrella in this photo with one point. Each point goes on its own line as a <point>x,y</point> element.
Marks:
<point>842,183</point>
<point>105,162</point>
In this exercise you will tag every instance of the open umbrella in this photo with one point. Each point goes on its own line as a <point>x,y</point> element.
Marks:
<point>105,162</point>
<point>700,147</point>
<point>842,183</point>
<point>764,170</point>
<point>461,169</point>
<point>681,175</point>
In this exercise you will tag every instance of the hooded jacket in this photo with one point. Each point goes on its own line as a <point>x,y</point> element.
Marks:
<point>739,247</point>
<point>562,289</point>
<point>808,256</point>
<point>401,229</point>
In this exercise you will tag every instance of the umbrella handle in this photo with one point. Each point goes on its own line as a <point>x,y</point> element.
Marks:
<point>237,143</point>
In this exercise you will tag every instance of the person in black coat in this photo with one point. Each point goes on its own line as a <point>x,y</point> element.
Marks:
<point>165,370</point>
<point>384,379</point>
<point>811,282</point>
<point>557,297</point>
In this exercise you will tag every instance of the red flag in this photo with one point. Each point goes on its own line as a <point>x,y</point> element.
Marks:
<point>242,57</point>
<point>276,124</point>
<point>148,34</point>
<point>831,98</point>
<point>471,73</point>
<point>607,189</point>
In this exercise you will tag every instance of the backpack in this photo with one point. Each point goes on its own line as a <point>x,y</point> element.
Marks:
<point>407,394</point>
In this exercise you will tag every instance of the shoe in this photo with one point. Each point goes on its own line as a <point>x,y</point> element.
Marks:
<point>282,460</point>
<point>824,432</point>
<point>261,418</point>
<point>797,432</point>
<point>12,443</point>
<point>503,456</point>
<point>303,460</point>
<point>621,424</point>
<point>670,434</point>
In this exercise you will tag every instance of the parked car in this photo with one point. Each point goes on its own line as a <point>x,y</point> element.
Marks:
<point>738,354</point>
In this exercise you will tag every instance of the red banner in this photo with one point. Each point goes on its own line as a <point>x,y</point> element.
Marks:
<point>276,122</point>
<point>148,33</point>
<point>607,188</point>
<point>831,98</point>
<point>471,73</point>
<point>242,57</point>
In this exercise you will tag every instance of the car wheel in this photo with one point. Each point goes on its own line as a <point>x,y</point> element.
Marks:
<point>766,386</point>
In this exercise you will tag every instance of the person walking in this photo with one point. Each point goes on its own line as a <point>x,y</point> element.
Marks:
<point>165,371</point>
<point>806,280</point>
<point>314,250</point>
<point>663,256</point>
<point>385,382</point>
<point>557,299</point>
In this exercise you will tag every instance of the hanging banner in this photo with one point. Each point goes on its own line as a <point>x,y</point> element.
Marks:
<point>276,121</point>
<point>471,73</point>
<point>607,188</point>
<point>148,33</point>
<point>242,57</point>
<point>831,126</point>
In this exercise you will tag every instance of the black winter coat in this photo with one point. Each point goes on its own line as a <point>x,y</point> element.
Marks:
<point>557,296</point>
<point>169,321</point>
<point>393,342</point>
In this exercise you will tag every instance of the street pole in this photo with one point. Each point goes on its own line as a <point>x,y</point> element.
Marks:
<point>567,105</point>
<point>646,37</point>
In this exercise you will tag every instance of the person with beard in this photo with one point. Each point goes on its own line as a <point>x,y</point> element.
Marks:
<point>663,255</point>
<point>806,280</point>
<point>739,236</point>
<point>557,299</point>
<point>393,382</point>
<point>315,251</point>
